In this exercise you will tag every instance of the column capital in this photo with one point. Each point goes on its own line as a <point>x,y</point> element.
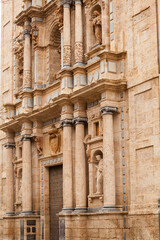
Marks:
<point>66,123</point>
<point>27,32</point>
<point>9,145</point>
<point>108,110</point>
<point>26,137</point>
<point>66,3</point>
<point>80,120</point>
<point>78,1</point>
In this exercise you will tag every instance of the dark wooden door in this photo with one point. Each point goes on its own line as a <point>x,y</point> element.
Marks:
<point>56,199</point>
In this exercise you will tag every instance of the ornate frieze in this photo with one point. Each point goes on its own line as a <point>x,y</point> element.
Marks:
<point>79,52</point>
<point>66,54</point>
<point>55,140</point>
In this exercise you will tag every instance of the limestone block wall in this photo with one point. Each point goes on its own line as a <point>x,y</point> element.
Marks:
<point>96,226</point>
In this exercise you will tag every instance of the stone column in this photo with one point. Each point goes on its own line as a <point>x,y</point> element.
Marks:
<point>67,33</point>
<point>9,178</point>
<point>27,83</point>
<point>108,159</point>
<point>67,166</point>
<point>78,32</point>
<point>80,165</point>
<point>27,175</point>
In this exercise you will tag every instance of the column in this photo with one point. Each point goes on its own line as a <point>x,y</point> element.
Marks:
<point>67,166</point>
<point>9,178</point>
<point>67,33</point>
<point>27,84</point>
<point>80,165</point>
<point>109,190</point>
<point>78,32</point>
<point>27,175</point>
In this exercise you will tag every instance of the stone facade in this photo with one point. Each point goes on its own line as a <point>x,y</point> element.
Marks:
<point>80,135</point>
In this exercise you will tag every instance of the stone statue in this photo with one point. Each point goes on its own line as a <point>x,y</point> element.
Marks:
<point>54,140</point>
<point>97,24</point>
<point>99,167</point>
<point>39,144</point>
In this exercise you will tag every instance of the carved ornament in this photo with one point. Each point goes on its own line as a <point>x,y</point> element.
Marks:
<point>54,140</point>
<point>59,13</point>
<point>39,144</point>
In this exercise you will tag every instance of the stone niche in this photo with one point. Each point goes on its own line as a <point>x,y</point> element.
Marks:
<point>94,152</point>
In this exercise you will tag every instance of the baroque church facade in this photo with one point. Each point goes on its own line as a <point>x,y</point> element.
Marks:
<point>79,120</point>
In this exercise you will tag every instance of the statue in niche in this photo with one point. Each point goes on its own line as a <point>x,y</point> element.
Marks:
<point>39,144</point>
<point>97,26</point>
<point>54,140</point>
<point>99,183</point>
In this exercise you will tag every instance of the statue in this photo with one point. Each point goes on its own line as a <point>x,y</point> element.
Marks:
<point>99,167</point>
<point>97,24</point>
<point>54,140</point>
<point>39,144</point>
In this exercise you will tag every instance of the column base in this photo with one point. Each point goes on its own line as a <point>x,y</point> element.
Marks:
<point>80,210</point>
<point>24,213</point>
<point>9,214</point>
<point>95,209</point>
<point>110,208</point>
<point>67,210</point>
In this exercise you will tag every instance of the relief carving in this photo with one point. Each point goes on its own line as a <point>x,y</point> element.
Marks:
<point>66,55</point>
<point>54,140</point>
<point>59,13</point>
<point>35,34</point>
<point>27,78</point>
<point>79,52</point>
<point>88,150</point>
<point>39,144</point>
<point>97,26</point>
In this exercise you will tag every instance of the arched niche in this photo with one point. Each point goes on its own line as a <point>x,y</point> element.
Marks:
<point>54,53</point>
<point>96,26</point>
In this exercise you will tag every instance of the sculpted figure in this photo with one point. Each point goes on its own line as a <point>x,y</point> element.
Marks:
<point>54,140</point>
<point>39,144</point>
<point>97,24</point>
<point>99,167</point>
